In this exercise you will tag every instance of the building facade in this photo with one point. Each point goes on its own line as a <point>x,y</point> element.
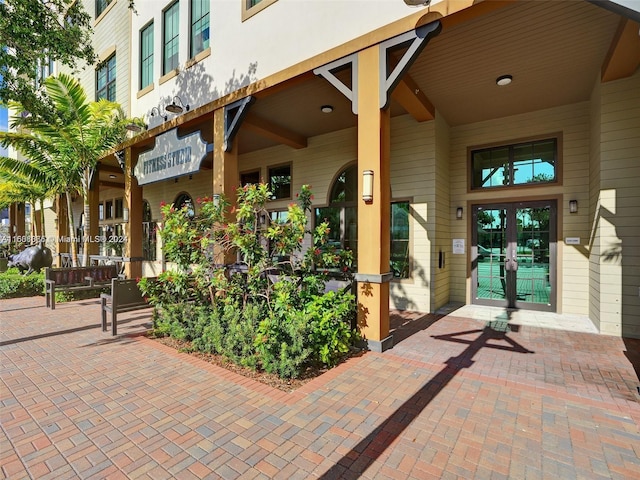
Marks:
<point>468,152</point>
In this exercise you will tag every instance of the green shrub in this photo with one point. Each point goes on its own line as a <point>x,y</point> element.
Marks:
<point>13,284</point>
<point>283,325</point>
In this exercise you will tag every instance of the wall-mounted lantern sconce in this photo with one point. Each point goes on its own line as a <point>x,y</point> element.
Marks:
<point>367,186</point>
<point>134,127</point>
<point>177,107</point>
<point>573,206</point>
<point>158,113</point>
<point>125,215</point>
<point>459,211</point>
<point>216,200</point>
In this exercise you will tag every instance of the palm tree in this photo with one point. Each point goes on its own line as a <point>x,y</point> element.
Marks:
<point>16,188</point>
<point>68,146</point>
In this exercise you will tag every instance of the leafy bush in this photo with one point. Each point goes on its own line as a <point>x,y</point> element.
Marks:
<point>263,313</point>
<point>13,284</point>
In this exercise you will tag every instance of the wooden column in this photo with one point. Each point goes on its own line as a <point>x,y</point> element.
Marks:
<point>225,171</point>
<point>373,217</point>
<point>133,228</point>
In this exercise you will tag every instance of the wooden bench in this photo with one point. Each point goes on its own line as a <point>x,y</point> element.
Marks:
<point>125,297</point>
<point>71,279</point>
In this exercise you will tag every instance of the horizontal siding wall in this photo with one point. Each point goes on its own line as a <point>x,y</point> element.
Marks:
<point>573,122</point>
<point>413,176</point>
<point>443,215</point>
<point>594,202</point>
<point>619,208</point>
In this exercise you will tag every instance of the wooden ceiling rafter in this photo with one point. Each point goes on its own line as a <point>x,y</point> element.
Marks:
<point>267,129</point>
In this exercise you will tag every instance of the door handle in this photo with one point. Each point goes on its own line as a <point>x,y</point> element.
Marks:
<point>511,266</point>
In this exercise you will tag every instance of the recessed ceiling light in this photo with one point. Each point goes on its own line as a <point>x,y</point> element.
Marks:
<point>112,176</point>
<point>503,80</point>
<point>326,108</point>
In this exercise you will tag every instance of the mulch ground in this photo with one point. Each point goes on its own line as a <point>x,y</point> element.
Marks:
<point>273,380</point>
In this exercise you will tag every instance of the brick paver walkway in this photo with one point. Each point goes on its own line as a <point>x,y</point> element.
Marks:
<point>455,398</point>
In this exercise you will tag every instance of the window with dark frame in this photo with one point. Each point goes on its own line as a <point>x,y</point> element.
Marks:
<point>199,26</point>
<point>106,79</point>
<point>146,56</point>
<point>101,6</point>
<point>400,259</point>
<point>149,234</point>
<point>526,163</point>
<point>170,41</point>
<point>280,182</point>
<point>108,209</point>
<point>250,178</point>
<point>119,208</point>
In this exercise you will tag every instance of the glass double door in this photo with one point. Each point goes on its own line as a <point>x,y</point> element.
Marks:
<point>513,255</point>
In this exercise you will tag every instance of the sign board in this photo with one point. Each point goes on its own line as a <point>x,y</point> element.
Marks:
<point>458,246</point>
<point>172,156</point>
<point>572,241</point>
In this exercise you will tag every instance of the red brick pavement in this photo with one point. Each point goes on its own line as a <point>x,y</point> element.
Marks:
<point>453,399</point>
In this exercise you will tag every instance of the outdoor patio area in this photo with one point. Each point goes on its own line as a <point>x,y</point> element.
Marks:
<point>468,393</point>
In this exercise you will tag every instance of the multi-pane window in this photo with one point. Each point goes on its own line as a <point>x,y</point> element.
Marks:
<point>342,212</point>
<point>250,178</point>
<point>342,217</point>
<point>146,56</point>
<point>101,6</point>
<point>518,164</point>
<point>199,26</point>
<point>106,80</point>
<point>149,228</point>
<point>400,239</point>
<point>280,182</point>
<point>170,42</point>
<point>119,208</point>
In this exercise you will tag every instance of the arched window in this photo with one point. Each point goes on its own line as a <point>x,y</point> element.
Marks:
<point>342,212</point>
<point>182,200</point>
<point>342,216</point>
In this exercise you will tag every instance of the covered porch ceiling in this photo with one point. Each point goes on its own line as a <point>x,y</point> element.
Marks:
<point>555,51</point>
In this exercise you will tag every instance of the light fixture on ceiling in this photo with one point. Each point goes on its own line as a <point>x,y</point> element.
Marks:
<point>158,113</point>
<point>503,80</point>
<point>112,176</point>
<point>326,108</point>
<point>177,107</point>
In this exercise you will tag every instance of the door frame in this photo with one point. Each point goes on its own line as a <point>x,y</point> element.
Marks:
<point>555,235</point>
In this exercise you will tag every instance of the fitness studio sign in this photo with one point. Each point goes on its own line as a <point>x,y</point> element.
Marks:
<point>172,156</point>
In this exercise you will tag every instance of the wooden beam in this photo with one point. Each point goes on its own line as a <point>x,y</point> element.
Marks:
<point>111,184</point>
<point>110,168</point>
<point>274,132</point>
<point>413,100</point>
<point>623,57</point>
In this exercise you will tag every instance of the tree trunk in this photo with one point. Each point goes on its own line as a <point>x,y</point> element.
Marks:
<point>86,226</point>
<point>42,229</point>
<point>72,231</point>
